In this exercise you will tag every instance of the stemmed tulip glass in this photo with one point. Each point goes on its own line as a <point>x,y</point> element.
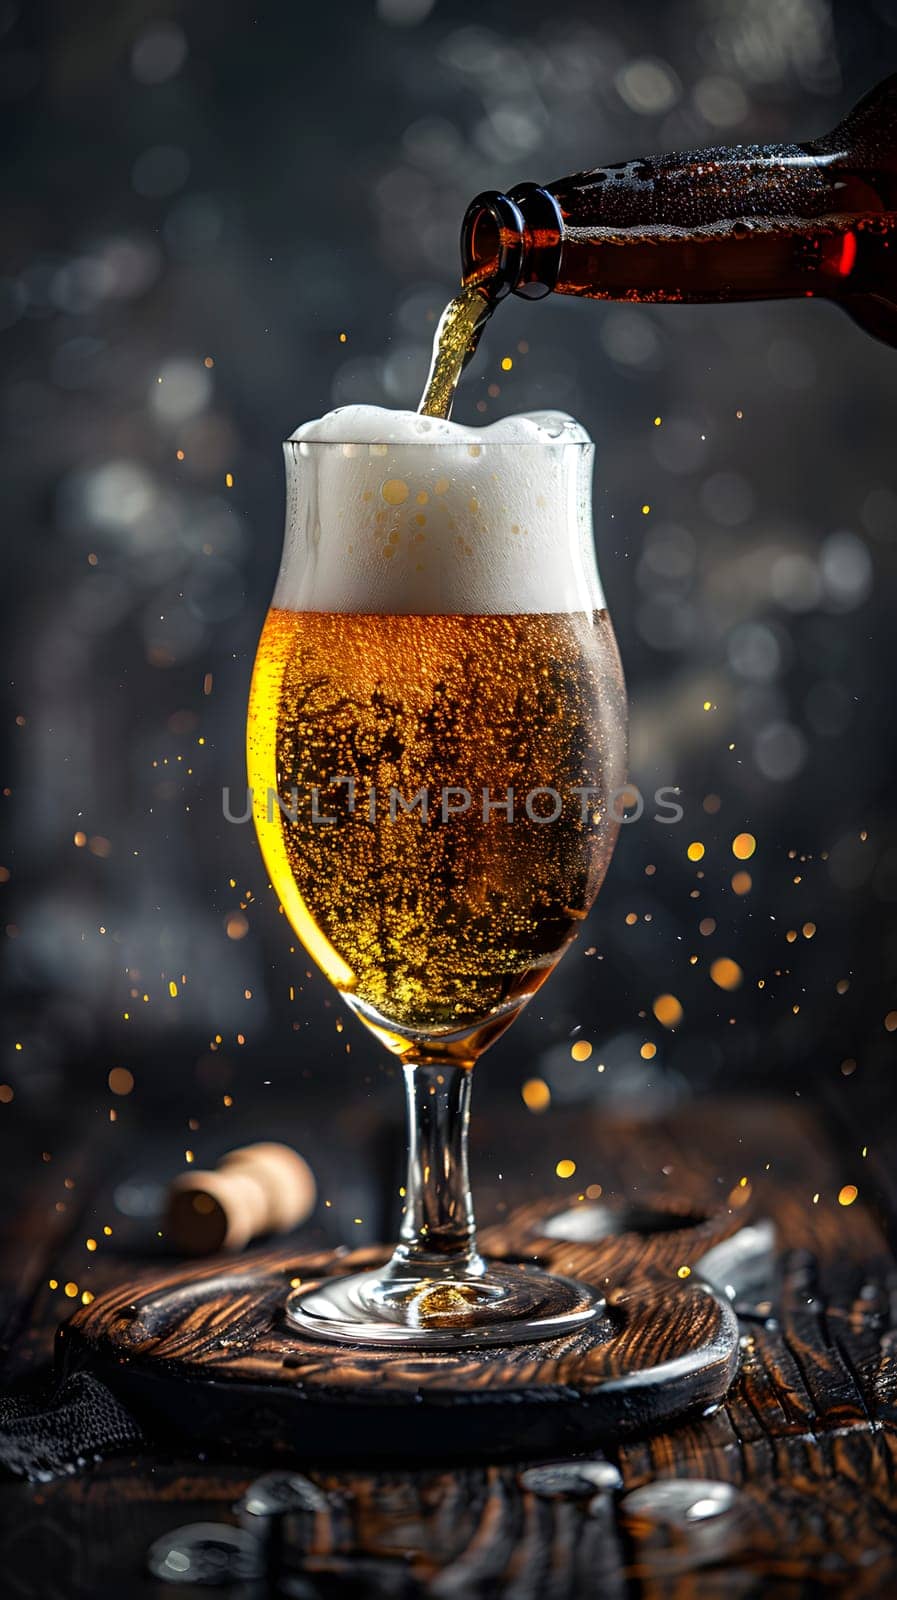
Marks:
<point>437,728</point>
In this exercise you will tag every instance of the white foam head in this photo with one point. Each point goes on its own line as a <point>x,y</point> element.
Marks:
<point>392,512</point>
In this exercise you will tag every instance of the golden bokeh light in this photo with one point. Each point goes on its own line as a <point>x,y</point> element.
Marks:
<point>726,974</point>
<point>536,1094</point>
<point>667,1010</point>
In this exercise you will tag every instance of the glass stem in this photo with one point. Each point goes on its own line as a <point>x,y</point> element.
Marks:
<point>438,1226</point>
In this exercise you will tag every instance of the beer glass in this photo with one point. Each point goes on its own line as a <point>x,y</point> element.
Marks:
<point>436,733</point>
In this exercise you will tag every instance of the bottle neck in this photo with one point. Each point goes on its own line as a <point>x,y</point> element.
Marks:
<point>511,243</point>
<point>748,222</point>
<point>751,223</point>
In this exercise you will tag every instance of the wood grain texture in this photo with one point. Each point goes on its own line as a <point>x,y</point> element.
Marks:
<point>806,1438</point>
<point>208,1350</point>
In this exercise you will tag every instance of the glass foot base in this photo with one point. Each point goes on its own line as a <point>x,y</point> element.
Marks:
<point>445,1309</point>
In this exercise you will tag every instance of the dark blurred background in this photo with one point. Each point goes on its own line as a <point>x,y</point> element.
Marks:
<point>221,220</point>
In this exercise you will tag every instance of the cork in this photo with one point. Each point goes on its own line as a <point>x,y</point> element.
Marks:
<point>287,1180</point>
<point>261,1188</point>
<point>210,1211</point>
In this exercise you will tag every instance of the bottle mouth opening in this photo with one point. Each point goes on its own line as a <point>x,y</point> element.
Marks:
<point>492,242</point>
<point>511,244</point>
<point>484,244</point>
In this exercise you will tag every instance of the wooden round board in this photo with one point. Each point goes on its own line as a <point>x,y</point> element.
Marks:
<point>206,1352</point>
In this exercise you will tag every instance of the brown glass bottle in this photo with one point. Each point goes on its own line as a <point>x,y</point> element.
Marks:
<point>747,222</point>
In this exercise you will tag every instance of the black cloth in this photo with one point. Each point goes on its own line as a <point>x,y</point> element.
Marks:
<point>53,1426</point>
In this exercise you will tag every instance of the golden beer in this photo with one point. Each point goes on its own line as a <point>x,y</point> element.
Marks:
<point>433,798</point>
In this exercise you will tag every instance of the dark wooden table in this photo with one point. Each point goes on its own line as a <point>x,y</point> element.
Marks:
<point>788,1488</point>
